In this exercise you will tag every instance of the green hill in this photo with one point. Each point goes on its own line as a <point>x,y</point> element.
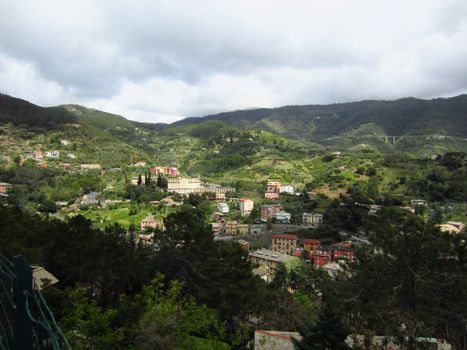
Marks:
<point>407,116</point>
<point>20,112</point>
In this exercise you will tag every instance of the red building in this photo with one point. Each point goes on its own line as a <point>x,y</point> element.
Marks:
<point>165,170</point>
<point>311,244</point>
<point>322,255</point>
<point>326,253</point>
<point>342,252</point>
<point>268,211</point>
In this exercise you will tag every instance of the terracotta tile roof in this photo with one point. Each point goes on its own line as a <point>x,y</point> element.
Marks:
<point>311,241</point>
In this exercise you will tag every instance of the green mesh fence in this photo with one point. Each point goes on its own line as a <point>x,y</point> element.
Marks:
<point>26,321</point>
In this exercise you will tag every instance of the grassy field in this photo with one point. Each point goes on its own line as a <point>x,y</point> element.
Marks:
<point>123,214</point>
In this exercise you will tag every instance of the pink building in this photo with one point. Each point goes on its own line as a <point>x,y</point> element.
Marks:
<point>148,222</point>
<point>271,195</point>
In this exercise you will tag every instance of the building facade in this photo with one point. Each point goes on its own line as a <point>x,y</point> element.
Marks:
<point>268,211</point>
<point>245,205</point>
<point>271,195</point>
<point>165,170</point>
<point>285,244</point>
<point>183,185</point>
<point>287,189</point>
<point>283,217</point>
<point>312,219</point>
<point>273,186</point>
<point>91,198</point>
<point>222,207</point>
<point>310,245</point>
<point>148,222</point>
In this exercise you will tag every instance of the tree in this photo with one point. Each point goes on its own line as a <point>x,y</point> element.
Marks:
<point>162,182</point>
<point>327,333</point>
<point>88,326</point>
<point>140,180</point>
<point>173,321</point>
<point>48,206</point>
<point>425,280</point>
<point>215,273</point>
<point>148,180</point>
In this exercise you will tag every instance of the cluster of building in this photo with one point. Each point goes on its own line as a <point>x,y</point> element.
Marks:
<point>274,189</point>
<point>245,205</point>
<point>267,262</point>
<point>230,228</point>
<point>274,212</point>
<point>162,170</point>
<point>186,186</point>
<point>287,249</point>
<point>317,253</point>
<point>39,155</point>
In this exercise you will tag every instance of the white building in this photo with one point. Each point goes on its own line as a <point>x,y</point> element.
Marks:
<point>90,198</point>
<point>312,219</point>
<point>245,205</point>
<point>183,185</point>
<point>283,216</point>
<point>64,142</point>
<point>222,207</point>
<point>287,189</point>
<point>52,154</point>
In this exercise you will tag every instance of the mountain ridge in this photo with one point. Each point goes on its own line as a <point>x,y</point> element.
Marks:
<point>396,117</point>
<point>315,123</point>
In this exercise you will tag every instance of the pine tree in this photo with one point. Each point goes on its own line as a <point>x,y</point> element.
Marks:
<point>327,333</point>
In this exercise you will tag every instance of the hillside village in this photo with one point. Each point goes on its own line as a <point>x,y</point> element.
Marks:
<point>235,175</point>
<point>300,214</point>
<point>264,227</point>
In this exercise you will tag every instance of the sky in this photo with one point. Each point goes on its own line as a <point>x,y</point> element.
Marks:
<point>161,61</point>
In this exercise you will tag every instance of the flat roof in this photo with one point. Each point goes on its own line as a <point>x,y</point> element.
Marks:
<point>271,255</point>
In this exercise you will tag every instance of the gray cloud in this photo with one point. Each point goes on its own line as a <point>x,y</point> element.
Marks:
<point>163,60</point>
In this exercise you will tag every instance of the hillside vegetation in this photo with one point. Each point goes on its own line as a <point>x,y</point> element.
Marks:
<point>369,120</point>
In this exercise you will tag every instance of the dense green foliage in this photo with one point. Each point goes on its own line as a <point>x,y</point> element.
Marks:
<point>20,112</point>
<point>408,116</point>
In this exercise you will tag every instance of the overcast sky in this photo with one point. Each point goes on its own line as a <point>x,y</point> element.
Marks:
<point>160,61</point>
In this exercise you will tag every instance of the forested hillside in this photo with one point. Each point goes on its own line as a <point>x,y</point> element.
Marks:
<point>318,122</point>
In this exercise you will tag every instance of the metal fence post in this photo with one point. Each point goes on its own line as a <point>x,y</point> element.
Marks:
<point>23,283</point>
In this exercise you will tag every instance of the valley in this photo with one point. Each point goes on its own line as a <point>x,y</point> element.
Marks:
<point>267,209</point>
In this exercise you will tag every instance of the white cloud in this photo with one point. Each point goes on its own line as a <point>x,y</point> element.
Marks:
<point>164,60</point>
